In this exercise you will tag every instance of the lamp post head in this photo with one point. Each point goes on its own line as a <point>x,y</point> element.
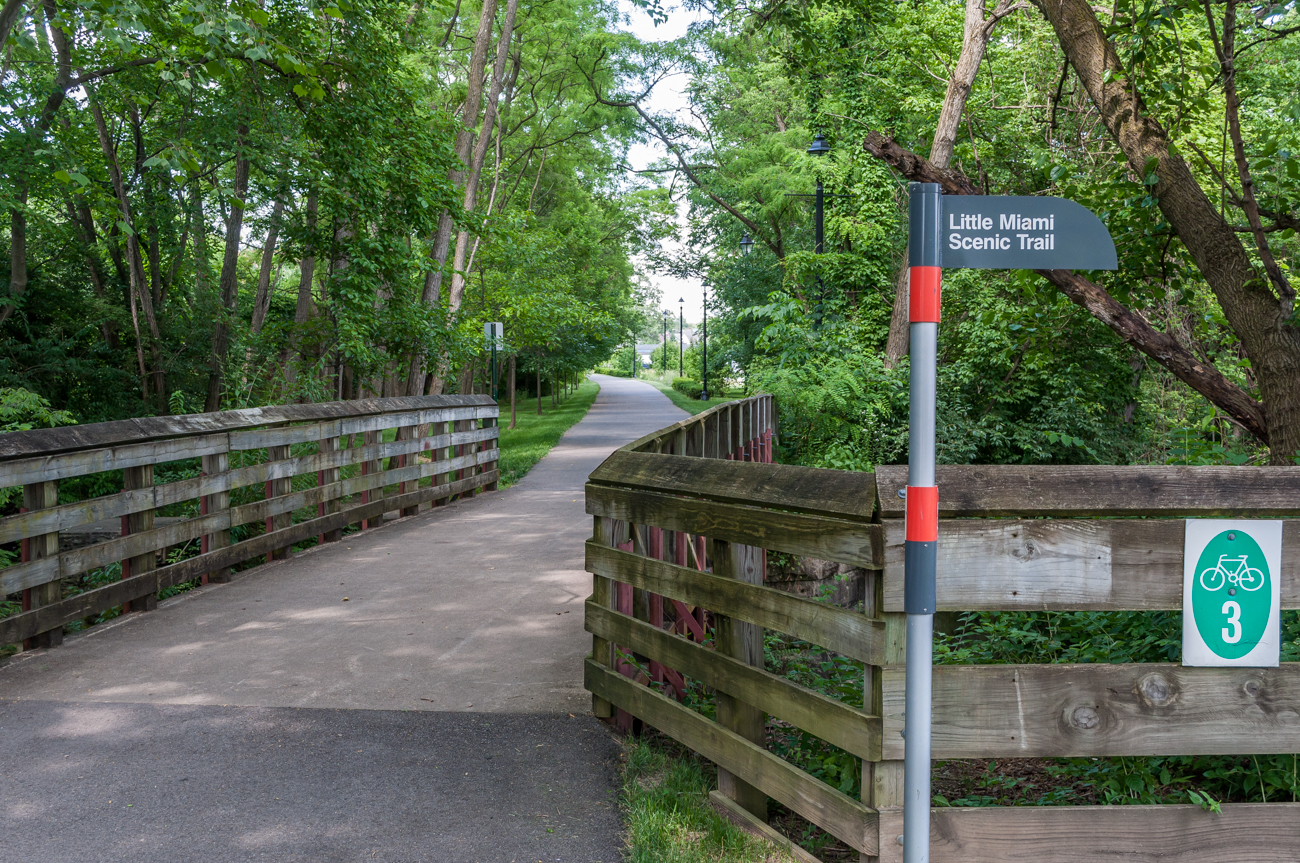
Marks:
<point>746,245</point>
<point>820,146</point>
<point>682,301</point>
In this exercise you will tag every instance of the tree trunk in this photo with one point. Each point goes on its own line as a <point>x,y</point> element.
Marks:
<point>228,283</point>
<point>262,301</point>
<point>975,40</point>
<point>539,389</point>
<point>1254,313</point>
<point>139,289</point>
<point>418,379</point>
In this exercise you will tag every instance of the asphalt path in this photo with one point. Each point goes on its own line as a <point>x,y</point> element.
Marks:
<point>412,693</point>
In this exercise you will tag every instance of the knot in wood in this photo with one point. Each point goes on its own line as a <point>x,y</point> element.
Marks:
<point>1156,690</point>
<point>1252,687</point>
<point>1029,551</point>
<point>1085,717</point>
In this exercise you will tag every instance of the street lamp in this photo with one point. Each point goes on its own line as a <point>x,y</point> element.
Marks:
<point>681,337</point>
<point>746,245</point>
<point>704,343</point>
<point>667,315</point>
<point>819,147</point>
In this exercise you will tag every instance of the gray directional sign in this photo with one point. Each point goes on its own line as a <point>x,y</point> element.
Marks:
<point>1005,233</point>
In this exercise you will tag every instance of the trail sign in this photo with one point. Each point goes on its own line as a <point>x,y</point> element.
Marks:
<point>1232,592</point>
<point>1028,233</point>
<point>955,232</point>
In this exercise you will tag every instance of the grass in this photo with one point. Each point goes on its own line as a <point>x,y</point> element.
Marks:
<point>665,802</point>
<point>692,406</point>
<point>533,436</point>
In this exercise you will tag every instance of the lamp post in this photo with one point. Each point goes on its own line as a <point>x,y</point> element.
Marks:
<point>493,332</point>
<point>819,147</point>
<point>667,315</point>
<point>704,342</point>
<point>746,245</point>
<point>681,337</point>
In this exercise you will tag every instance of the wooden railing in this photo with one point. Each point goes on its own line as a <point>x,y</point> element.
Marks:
<point>348,472</point>
<point>1019,538</point>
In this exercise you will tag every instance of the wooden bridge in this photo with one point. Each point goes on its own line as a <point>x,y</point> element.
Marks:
<point>385,664</point>
<point>684,519</point>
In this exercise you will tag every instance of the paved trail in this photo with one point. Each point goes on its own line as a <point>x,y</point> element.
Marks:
<point>412,693</point>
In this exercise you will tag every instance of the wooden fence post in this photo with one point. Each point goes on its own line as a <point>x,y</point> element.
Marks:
<point>488,466</point>
<point>743,641</point>
<point>276,488</point>
<point>329,476</point>
<point>134,478</point>
<point>368,467</point>
<point>438,429</point>
<point>215,465</point>
<point>42,495</point>
<point>406,433</point>
<point>602,594</point>
<point>882,781</point>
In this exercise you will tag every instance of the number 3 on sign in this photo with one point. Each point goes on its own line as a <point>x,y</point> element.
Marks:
<point>1233,610</point>
<point>1231,592</point>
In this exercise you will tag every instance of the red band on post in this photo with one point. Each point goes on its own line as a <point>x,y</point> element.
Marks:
<point>923,288</point>
<point>922,513</point>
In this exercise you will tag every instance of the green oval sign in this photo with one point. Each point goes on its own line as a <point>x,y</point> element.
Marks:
<point>1232,594</point>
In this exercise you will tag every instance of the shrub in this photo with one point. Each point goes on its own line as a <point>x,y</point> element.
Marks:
<point>689,387</point>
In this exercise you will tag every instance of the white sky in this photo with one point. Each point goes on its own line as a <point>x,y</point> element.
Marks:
<point>669,95</point>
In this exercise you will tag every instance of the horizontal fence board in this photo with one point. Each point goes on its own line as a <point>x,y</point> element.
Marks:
<point>1242,833</point>
<point>1063,564</point>
<point>836,629</point>
<point>649,442</point>
<point>1102,490</point>
<point>1004,711</point>
<point>63,466</point>
<point>19,445</point>
<point>815,491</point>
<point>831,720</point>
<point>833,811</point>
<point>820,537</point>
<point>17,627</point>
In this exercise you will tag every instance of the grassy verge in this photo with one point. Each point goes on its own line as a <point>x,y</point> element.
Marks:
<point>666,803</point>
<point>533,436</point>
<point>685,402</point>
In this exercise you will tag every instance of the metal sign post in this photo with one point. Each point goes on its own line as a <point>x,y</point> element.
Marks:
<point>493,332</point>
<point>971,232</point>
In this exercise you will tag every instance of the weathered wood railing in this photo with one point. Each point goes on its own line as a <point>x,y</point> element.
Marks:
<point>440,447</point>
<point>997,551</point>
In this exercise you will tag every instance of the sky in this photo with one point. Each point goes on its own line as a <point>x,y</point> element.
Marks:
<point>668,95</point>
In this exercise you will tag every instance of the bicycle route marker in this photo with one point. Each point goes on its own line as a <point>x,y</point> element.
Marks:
<point>1232,593</point>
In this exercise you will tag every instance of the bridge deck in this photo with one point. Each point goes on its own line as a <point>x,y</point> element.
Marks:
<point>403,695</point>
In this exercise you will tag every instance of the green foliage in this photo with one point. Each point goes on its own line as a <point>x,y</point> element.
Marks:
<point>22,409</point>
<point>688,387</point>
<point>665,801</point>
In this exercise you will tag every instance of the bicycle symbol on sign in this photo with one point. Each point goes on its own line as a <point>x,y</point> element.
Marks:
<point>1234,571</point>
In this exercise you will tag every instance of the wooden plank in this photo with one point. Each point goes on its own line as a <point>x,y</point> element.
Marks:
<point>1099,490</point>
<point>741,641</point>
<point>751,824</point>
<point>1002,711</point>
<point>23,625</point>
<point>834,628</point>
<point>283,435</point>
<point>215,504</point>
<point>791,488</point>
<point>1242,833</point>
<point>821,537</point>
<point>37,551</point>
<point>831,720</point>
<point>18,445</point>
<point>138,540</point>
<point>833,811</point>
<point>63,466</point>
<point>1064,564</point>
